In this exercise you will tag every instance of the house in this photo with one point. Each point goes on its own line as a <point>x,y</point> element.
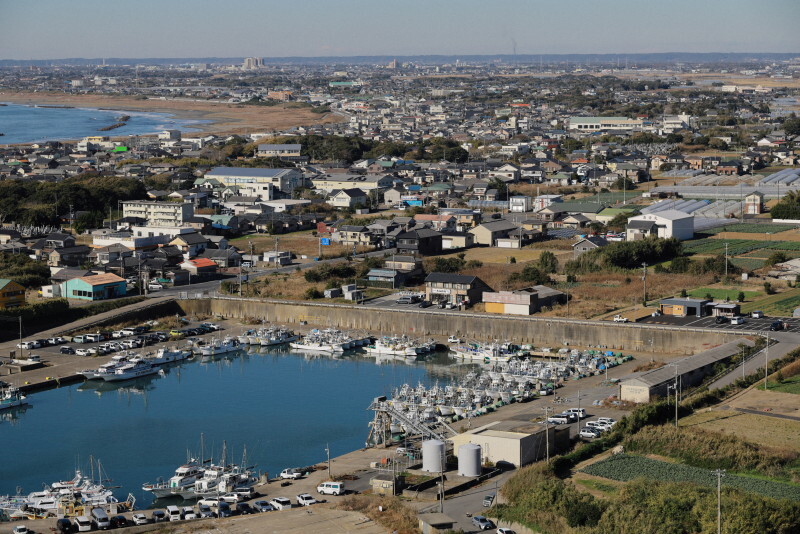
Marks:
<point>436,221</point>
<point>454,289</point>
<point>349,234</point>
<point>278,151</point>
<point>200,267</point>
<point>434,523</point>
<point>369,182</point>
<point>68,257</point>
<point>348,198</point>
<point>7,235</point>
<point>754,203</point>
<point>223,258</point>
<point>94,287</point>
<point>488,233</point>
<point>190,244</point>
<point>421,241</point>
<point>457,240</point>
<point>12,294</point>
<point>635,230</point>
<point>669,223</point>
<point>258,182</point>
<point>586,244</point>
<point>103,255</point>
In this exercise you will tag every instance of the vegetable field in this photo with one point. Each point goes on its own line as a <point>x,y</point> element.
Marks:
<point>737,246</point>
<point>624,467</point>
<point>750,228</point>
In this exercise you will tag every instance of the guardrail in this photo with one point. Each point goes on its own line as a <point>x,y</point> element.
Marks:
<point>451,313</point>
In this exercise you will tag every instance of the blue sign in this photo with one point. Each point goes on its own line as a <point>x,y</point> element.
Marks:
<point>325,241</point>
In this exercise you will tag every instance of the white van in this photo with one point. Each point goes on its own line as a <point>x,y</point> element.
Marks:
<point>580,412</point>
<point>83,523</point>
<point>79,339</point>
<point>331,488</point>
<point>558,420</point>
<point>173,513</point>
<point>188,513</point>
<point>737,320</point>
<point>101,518</point>
<point>93,338</point>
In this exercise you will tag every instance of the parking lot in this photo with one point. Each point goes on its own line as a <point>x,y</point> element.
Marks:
<point>750,324</point>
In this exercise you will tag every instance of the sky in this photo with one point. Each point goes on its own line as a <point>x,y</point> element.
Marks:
<point>53,29</point>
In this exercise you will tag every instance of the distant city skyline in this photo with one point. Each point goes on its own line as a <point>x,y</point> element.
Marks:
<point>50,29</point>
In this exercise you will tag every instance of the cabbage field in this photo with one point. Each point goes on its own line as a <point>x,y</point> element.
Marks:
<point>625,467</point>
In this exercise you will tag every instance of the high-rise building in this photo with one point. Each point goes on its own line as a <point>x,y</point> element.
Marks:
<point>392,64</point>
<point>252,63</point>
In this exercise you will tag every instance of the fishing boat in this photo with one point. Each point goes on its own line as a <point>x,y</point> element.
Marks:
<point>11,397</point>
<point>217,347</point>
<point>132,370</point>
<point>117,361</point>
<point>164,356</point>
<point>184,479</point>
<point>277,336</point>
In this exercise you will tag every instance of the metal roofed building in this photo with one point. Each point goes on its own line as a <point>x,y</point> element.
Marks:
<point>688,371</point>
<point>595,124</point>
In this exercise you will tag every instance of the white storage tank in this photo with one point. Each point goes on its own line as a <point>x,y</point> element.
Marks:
<point>433,456</point>
<point>469,460</point>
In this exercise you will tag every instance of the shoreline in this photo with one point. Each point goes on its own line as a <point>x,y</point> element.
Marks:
<point>223,117</point>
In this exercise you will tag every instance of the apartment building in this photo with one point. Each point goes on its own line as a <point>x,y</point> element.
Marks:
<point>159,213</point>
<point>257,182</point>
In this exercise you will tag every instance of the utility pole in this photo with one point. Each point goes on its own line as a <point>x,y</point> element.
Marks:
<point>328,452</point>
<point>726,259</point>
<point>766,362</point>
<point>720,473</point>
<point>547,431</point>
<point>644,283</point>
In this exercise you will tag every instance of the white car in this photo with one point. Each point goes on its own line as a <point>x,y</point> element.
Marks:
<point>304,499</point>
<point>737,320</point>
<point>21,529</point>
<point>139,519</point>
<point>83,352</point>
<point>231,498</point>
<point>589,433</point>
<point>620,319</point>
<point>281,503</point>
<point>213,502</point>
<point>153,286</point>
<point>453,339</point>
<point>28,345</point>
<point>504,530</point>
<point>292,473</point>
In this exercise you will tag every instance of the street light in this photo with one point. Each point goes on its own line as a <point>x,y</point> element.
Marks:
<point>328,452</point>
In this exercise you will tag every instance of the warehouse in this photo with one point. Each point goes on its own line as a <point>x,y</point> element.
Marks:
<point>515,442</point>
<point>688,372</point>
<point>523,301</point>
<point>683,307</point>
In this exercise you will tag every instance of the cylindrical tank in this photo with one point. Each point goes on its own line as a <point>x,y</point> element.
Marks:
<point>432,456</point>
<point>469,460</point>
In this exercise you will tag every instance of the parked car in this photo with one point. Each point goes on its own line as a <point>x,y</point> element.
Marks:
<point>63,525</point>
<point>589,433</point>
<point>119,521</point>
<point>204,511</point>
<point>720,319</point>
<point>67,350</point>
<point>757,314</point>
<point>620,319</point>
<point>776,326</point>
<point>224,510</point>
<point>154,286</point>
<point>558,420</point>
<point>158,516</point>
<point>231,498</point>
<point>83,352</point>
<point>263,506</point>
<point>56,340</point>
<point>488,499</point>
<point>139,519</point>
<point>503,530</point>
<point>281,503</point>
<point>482,523</point>
<point>83,523</point>
<point>28,345</point>
<point>331,488</point>
<point>188,513</point>
<point>291,473</point>
<point>304,499</point>
<point>21,529</point>
<point>425,304</point>
<point>453,339</point>
<point>407,300</point>
<point>580,412</point>
<point>244,492</point>
<point>737,320</point>
<point>243,508</point>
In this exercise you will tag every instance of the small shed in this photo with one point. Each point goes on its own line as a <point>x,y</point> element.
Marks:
<point>727,309</point>
<point>435,522</point>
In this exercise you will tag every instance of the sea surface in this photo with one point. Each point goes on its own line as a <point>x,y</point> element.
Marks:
<point>28,124</point>
<point>284,407</point>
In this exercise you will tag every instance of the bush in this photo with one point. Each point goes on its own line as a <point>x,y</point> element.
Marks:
<point>327,271</point>
<point>313,293</point>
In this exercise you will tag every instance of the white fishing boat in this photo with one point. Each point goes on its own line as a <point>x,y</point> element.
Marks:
<point>165,355</point>
<point>184,479</point>
<point>277,336</point>
<point>132,370</point>
<point>11,397</point>
<point>217,347</point>
<point>117,361</point>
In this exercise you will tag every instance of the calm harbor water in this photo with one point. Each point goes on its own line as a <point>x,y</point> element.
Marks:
<point>28,124</point>
<point>284,407</point>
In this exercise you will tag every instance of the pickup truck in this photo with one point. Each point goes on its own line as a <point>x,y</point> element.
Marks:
<point>291,473</point>
<point>620,319</point>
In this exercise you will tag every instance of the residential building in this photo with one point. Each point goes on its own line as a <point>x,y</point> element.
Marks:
<point>349,234</point>
<point>369,182</point>
<point>488,233</point>
<point>12,294</point>
<point>94,287</point>
<point>454,289</point>
<point>586,244</point>
<point>348,198</point>
<point>257,182</point>
<point>421,241</point>
<point>157,213</point>
<point>278,151</point>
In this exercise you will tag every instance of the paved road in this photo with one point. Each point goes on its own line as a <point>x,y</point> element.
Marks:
<point>710,322</point>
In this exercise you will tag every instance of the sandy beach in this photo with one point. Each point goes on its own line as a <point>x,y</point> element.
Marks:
<point>225,118</point>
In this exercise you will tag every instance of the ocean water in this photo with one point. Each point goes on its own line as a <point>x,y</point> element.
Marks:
<point>28,124</point>
<point>283,407</point>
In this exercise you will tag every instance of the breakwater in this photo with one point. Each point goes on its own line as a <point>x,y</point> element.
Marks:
<point>540,331</point>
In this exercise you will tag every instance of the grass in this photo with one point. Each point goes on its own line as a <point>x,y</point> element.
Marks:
<point>757,429</point>
<point>597,486</point>
<point>750,228</point>
<point>300,243</point>
<point>501,256</point>
<point>789,385</point>
<point>721,293</point>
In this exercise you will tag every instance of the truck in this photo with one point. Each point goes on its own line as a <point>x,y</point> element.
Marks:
<point>620,319</point>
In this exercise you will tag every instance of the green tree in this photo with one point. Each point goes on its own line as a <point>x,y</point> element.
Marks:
<point>740,296</point>
<point>548,262</point>
<point>776,257</point>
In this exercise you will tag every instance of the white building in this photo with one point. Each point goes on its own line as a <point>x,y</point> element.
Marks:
<point>257,182</point>
<point>665,224</point>
<point>159,214</point>
<point>519,204</point>
<point>595,124</point>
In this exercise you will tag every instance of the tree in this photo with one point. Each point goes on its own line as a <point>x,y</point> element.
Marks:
<point>776,257</point>
<point>548,262</point>
<point>740,296</point>
<point>792,125</point>
<point>683,293</point>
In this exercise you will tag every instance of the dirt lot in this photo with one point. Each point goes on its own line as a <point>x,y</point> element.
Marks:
<point>759,429</point>
<point>225,117</point>
<point>495,255</point>
<point>768,401</point>
<point>300,243</point>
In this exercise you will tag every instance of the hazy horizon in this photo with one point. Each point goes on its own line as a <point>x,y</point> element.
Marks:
<point>44,30</point>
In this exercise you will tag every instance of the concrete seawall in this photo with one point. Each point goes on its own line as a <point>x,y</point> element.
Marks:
<point>541,331</point>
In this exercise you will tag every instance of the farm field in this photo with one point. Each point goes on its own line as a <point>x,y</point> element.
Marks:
<point>752,228</point>
<point>758,429</point>
<point>767,401</point>
<point>712,245</point>
<point>780,304</point>
<point>722,293</point>
<point>624,467</point>
<point>495,255</point>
